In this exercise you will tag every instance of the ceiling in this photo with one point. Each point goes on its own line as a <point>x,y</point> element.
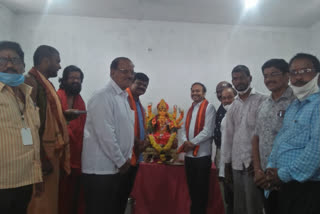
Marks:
<point>276,13</point>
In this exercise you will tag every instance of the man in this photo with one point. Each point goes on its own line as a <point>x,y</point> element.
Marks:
<point>20,166</point>
<point>269,122</point>
<point>197,137</point>
<point>70,197</point>
<point>240,123</point>
<point>294,163</point>
<point>220,115</point>
<point>227,97</point>
<point>108,142</point>
<point>137,88</point>
<point>53,132</point>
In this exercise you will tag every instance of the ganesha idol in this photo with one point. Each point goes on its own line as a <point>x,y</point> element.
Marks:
<point>162,130</point>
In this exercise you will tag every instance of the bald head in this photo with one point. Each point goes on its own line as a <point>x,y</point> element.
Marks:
<point>222,85</point>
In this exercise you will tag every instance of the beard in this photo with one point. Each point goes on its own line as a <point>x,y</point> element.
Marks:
<point>72,89</point>
<point>242,87</point>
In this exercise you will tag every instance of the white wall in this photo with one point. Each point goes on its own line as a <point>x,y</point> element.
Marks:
<point>174,55</point>
<point>315,39</point>
<point>6,21</point>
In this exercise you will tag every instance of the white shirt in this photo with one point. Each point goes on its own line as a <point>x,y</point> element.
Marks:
<point>205,137</point>
<point>240,125</point>
<point>109,131</point>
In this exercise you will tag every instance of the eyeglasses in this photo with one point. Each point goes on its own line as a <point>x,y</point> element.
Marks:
<point>15,61</point>
<point>272,75</point>
<point>124,71</point>
<point>301,72</point>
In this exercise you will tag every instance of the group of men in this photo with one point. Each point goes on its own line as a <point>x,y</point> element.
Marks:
<point>41,133</point>
<point>57,156</point>
<point>45,166</point>
<point>268,147</point>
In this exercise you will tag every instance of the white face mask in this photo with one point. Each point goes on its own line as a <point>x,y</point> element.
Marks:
<point>304,91</point>
<point>226,107</point>
<point>244,91</point>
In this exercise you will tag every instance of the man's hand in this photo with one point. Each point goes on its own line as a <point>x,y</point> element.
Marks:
<point>124,168</point>
<point>188,146</point>
<point>228,178</point>
<point>260,179</point>
<point>38,189</point>
<point>273,178</point>
<point>138,146</point>
<point>71,114</point>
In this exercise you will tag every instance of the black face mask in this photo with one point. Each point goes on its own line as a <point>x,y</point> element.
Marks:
<point>72,89</point>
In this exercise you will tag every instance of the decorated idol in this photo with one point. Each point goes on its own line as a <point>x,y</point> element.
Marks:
<point>162,130</point>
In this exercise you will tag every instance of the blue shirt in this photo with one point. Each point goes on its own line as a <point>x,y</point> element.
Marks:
<point>141,125</point>
<point>296,149</point>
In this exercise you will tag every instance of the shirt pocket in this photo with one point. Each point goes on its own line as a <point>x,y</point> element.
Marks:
<point>4,113</point>
<point>8,115</point>
<point>251,117</point>
<point>298,135</point>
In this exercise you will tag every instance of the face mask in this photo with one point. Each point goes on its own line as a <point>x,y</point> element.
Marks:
<point>245,91</point>
<point>304,91</point>
<point>11,79</point>
<point>226,107</point>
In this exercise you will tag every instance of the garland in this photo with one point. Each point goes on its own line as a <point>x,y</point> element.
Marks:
<point>160,148</point>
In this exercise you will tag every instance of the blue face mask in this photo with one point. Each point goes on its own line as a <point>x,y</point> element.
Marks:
<point>11,79</point>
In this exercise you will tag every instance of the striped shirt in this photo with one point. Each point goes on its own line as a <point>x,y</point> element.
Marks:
<point>19,163</point>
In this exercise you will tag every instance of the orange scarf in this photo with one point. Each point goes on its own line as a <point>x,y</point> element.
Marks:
<point>200,120</point>
<point>133,106</point>
<point>56,130</point>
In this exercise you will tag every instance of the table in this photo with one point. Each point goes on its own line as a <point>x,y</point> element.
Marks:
<point>162,189</point>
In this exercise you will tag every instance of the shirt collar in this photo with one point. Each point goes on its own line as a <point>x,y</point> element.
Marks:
<point>286,95</point>
<point>24,88</point>
<point>199,103</point>
<point>2,85</point>
<point>252,92</point>
<point>310,98</point>
<point>117,89</point>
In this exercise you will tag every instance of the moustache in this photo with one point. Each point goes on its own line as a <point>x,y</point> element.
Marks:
<point>269,82</point>
<point>241,87</point>
<point>75,84</point>
<point>300,82</point>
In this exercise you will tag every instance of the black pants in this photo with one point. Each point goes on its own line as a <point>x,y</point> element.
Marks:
<point>228,197</point>
<point>297,198</point>
<point>15,200</point>
<point>127,182</point>
<point>271,203</point>
<point>198,174</point>
<point>108,193</point>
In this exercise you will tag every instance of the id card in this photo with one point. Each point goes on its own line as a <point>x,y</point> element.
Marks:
<point>26,136</point>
